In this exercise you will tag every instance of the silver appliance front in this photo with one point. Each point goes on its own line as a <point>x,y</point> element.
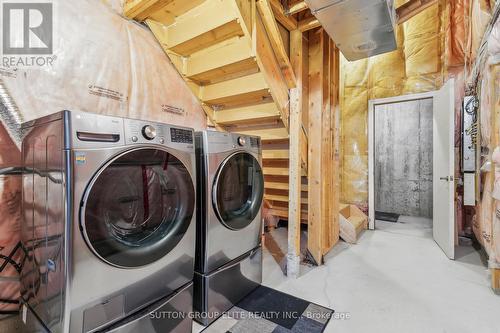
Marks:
<point>78,266</point>
<point>232,177</point>
<point>171,314</point>
<point>130,272</point>
<point>219,291</point>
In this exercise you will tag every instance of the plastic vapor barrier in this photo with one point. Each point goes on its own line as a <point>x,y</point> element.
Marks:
<point>100,63</point>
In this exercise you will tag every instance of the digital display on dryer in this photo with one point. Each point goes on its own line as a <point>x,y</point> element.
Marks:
<point>179,135</point>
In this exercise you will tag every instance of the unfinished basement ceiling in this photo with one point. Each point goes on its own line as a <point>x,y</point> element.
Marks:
<point>360,28</point>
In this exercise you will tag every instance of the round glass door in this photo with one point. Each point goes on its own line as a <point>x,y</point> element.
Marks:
<point>238,191</point>
<point>138,207</point>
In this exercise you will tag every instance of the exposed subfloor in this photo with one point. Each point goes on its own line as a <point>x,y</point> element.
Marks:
<point>396,279</point>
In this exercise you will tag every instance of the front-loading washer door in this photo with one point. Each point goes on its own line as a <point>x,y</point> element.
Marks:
<point>238,190</point>
<point>137,207</point>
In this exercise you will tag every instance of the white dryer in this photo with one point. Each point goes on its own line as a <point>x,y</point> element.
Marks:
<point>229,224</point>
<point>109,222</point>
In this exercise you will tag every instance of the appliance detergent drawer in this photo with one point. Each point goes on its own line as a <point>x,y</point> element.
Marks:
<point>220,290</point>
<point>173,314</point>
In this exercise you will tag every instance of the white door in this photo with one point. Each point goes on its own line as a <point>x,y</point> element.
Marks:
<point>443,170</point>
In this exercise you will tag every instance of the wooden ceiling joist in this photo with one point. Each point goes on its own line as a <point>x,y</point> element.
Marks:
<point>412,8</point>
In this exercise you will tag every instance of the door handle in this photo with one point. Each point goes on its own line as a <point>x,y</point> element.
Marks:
<point>448,179</point>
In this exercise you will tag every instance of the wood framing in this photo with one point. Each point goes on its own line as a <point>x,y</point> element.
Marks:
<point>296,7</point>
<point>309,23</point>
<point>277,44</point>
<point>271,70</point>
<point>321,228</point>
<point>221,61</point>
<point>495,280</point>
<point>260,113</point>
<point>412,8</point>
<point>287,21</point>
<point>335,104</point>
<point>141,10</point>
<point>299,59</point>
<point>323,129</point>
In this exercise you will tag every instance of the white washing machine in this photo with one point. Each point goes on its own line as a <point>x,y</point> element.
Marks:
<point>229,224</point>
<point>109,223</point>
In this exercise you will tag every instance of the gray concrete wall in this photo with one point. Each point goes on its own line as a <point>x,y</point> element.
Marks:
<point>403,158</point>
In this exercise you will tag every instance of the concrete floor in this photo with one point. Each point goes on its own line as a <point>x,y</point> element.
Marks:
<point>396,279</point>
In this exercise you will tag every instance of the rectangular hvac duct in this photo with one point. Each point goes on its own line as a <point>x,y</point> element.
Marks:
<point>360,28</point>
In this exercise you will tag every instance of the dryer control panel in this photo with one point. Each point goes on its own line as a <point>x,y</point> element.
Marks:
<point>137,131</point>
<point>217,142</point>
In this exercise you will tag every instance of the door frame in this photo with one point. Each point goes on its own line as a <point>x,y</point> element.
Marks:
<point>371,143</point>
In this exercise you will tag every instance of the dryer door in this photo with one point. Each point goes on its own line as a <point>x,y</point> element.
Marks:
<point>238,191</point>
<point>138,207</point>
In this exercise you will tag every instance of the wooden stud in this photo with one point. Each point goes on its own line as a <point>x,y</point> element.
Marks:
<point>287,21</point>
<point>276,40</point>
<point>323,224</point>
<point>299,58</point>
<point>326,148</point>
<point>308,24</point>
<point>315,170</point>
<point>412,8</point>
<point>495,280</point>
<point>335,181</point>
<point>304,140</point>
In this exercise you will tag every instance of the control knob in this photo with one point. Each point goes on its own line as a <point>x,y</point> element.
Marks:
<point>149,132</point>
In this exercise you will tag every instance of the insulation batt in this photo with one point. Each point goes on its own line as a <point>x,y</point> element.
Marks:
<point>487,222</point>
<point>102,63</point>
<point>416,66</point>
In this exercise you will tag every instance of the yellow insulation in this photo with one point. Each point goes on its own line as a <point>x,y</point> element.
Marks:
<point>416,66</point>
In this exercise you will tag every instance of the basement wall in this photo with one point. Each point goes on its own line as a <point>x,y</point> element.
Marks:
<point>403,158</point>
<point>103,63</point>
